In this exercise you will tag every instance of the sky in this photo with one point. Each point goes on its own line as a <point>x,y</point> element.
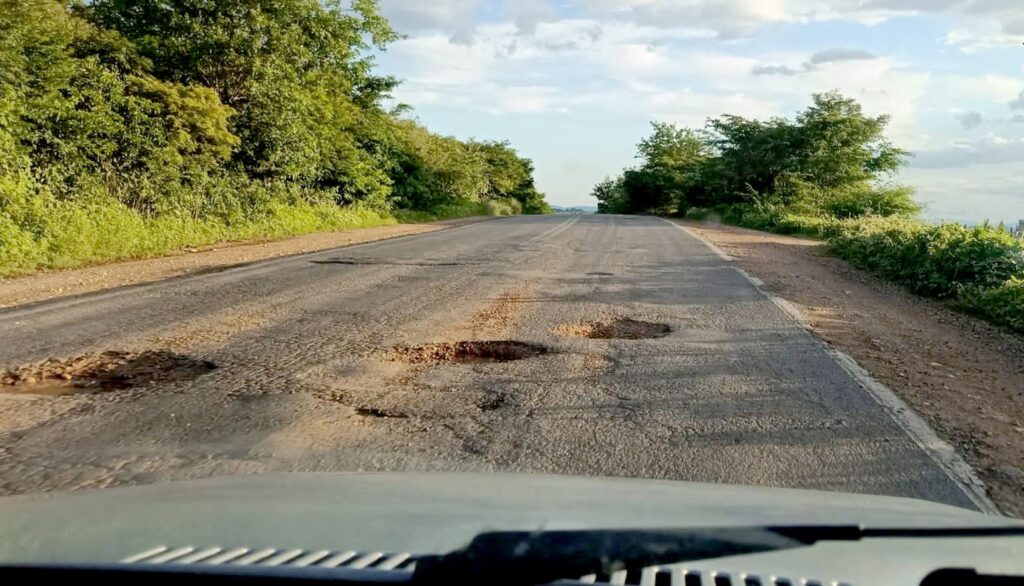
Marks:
<point>574,84</point>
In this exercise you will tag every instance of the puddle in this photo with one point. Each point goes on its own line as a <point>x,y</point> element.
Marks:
<point>622,328</point>
<point>106,371</point>
<point>471,351</point>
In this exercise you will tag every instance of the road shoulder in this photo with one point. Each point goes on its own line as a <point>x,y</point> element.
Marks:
<point>961,375</point>
<point>52,284</point>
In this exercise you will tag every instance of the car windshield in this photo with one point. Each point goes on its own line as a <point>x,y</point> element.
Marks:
<point>733,248</point>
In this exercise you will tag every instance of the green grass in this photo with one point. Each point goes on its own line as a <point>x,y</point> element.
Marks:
<point>73,235</point>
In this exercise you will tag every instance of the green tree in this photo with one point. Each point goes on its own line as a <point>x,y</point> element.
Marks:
<point>830,160</point>
<point>610,196</point>
<point>297,72</point>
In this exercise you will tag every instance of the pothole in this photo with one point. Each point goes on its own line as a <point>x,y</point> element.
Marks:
<point>106,371</point>
<point>621,328</point>
<point>600,274</point>
<point>495,401</point>
<point>380,413</point>
<point>470,351</point>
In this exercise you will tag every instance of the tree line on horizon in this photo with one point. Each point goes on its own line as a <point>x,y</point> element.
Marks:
<point>830,160</point>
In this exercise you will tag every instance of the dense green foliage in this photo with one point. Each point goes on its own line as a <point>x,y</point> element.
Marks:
<point>980,268</point>
<point>131,128</point>
<point>934,260</point>
<point>829,161</point>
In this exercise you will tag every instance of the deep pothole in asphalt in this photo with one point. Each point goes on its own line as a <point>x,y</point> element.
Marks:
<point>495,401</point>
<point>380,413</point>
<point>620,328</point>
<point>105,371</point>
<point>470,351</point>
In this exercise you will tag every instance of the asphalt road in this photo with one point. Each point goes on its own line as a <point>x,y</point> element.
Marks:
<point>306,378</point>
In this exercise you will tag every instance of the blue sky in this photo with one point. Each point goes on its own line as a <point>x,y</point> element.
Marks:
<point>573,84</point>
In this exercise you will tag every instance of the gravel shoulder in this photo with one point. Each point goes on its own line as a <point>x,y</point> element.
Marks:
<point>965,377</point>
<point>50,284</point>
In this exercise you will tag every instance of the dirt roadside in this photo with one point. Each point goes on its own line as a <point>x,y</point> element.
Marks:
<point>965,377</point>
<point>47,285</point>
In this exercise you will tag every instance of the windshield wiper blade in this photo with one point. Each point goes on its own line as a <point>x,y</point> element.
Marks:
<point>523,558</point>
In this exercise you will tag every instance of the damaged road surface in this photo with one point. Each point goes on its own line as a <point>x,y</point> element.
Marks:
<point>591,345</point>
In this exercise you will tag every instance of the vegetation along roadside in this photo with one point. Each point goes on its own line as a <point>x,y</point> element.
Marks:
<point>133,129</point>
<point>827,173</point>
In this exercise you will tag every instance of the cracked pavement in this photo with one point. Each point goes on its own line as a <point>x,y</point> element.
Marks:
<point>737,392</point>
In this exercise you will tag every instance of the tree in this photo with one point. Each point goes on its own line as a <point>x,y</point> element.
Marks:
<point>297,72</point>
<point>837,145</point>
<point>610,196</point>
<point>831,159</point>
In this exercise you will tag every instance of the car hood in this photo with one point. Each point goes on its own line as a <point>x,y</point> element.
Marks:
<point>435,513</point>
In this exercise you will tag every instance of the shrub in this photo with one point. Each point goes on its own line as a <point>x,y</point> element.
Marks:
<point>937,261</point>
<point>866,200</point>
<point>1002,305</point>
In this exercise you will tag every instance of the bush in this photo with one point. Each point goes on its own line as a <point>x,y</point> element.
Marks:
<point>768,218</point>
<point>938,261</point>
<point>862,200</point>
<point>1002,305</point>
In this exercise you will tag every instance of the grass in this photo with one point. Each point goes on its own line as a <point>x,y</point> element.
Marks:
<point>76,235</point>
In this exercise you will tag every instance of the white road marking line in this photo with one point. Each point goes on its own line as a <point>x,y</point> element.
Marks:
<point>718,251</point>
<point>940,451</point>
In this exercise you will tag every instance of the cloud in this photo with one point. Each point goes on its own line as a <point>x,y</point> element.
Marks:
<point>776,70</point>
<point>837,55</point>
<point>970,120</point>
<point>815,61</point>
<point>1017,103</point>
<point>446,16</point>
<point>527,14</point>
<point>988,150</point>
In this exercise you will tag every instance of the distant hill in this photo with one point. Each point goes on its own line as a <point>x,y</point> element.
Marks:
<point>575,209</point>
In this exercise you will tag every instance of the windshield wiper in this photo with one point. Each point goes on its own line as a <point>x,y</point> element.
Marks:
<point>522,558</point>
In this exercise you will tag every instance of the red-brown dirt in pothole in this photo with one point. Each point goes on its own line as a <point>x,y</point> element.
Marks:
<point>469,351</point>
<point>106,371</point>
<point>621,328</point>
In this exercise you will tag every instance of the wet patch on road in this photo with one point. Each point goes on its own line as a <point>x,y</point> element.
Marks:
<point>470,352</point>
<point>621,328</point>
<point>105,371</point>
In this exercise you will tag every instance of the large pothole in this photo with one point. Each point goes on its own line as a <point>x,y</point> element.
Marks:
<point>470,351</point>
<point>106,371</point>
<point>620,328</point>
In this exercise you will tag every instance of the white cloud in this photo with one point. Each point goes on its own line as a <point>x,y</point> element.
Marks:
<point>446,16</point>
<point>990,149</point>
<point>974,193</point>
